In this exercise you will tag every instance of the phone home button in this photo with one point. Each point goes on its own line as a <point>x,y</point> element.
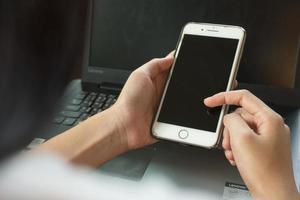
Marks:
<point>183,134</point>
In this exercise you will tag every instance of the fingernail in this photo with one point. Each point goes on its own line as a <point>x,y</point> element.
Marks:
<point>206,99</point>
<point>232,163</point>
<point>169,56</point>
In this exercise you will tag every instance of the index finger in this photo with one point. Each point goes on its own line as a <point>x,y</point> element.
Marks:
<point>242,98</point>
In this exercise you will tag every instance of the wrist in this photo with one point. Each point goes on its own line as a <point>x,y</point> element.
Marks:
<point>123,124</point>
<point>100,139</point>
<point>118,126</point>
<point>275,196</point>
<point>277,192</point>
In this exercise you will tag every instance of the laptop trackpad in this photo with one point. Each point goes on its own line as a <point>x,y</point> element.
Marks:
<point>131,165</point>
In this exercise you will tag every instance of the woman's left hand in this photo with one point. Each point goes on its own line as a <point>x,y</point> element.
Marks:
<point>139,99</point>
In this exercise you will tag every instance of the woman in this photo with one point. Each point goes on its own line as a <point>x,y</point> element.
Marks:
<point>38,51</point>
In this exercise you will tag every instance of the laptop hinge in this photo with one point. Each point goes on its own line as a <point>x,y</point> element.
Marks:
<point>111,86</point>
<point>102,87</point>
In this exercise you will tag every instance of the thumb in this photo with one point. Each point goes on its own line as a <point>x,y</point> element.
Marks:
<point>240,132</point>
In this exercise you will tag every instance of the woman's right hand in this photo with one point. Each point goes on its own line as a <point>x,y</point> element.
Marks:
<point>257,141</point>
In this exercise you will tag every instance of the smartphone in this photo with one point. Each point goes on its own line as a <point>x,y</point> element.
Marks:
<point>206,62</point>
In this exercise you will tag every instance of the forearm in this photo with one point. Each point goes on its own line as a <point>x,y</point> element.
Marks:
<point>92,143</point>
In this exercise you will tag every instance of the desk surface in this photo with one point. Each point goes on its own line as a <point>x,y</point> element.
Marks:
<point>190,173</point>
<point>180,173</point>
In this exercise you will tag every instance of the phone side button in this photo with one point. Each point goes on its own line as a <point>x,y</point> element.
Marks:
<point>183,134</point>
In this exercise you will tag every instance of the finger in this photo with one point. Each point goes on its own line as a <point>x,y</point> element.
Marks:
<point>241,98</point>
<point>232,162</point>
<point>157,65</point>
<point>235,84</point>
<point>226,140</point>
<point>238,128</point>
<point>172,54</point>
<point>229,155</point>
<point>250,120</point>
<point>160,82</point>
<point>287,128</point>
<point>152,140</point>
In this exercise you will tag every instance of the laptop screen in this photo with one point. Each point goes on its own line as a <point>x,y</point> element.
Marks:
<point>126,34</point>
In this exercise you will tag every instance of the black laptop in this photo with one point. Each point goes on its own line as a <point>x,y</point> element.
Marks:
<point>123,35</point>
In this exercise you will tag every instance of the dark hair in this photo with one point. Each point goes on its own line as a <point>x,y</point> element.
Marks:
<point>41,41</point>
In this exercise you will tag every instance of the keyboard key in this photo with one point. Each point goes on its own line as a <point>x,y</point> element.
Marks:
<point>76,101</point>
<point>85,109</point>
<point>84,117</point>
<point>35,143</point>
<point>72,107</point>
<point>88,110</point>
<point>93,94</point>
<point>91,98</point>
<point>110,101</point>
<point>69,121</point>
<point>94,111</point>
<point>97,105</point>
<point>70,114</point>
<point>101,99</point>
<point>106,106</point>
<point>87,103</point>
<point>58,120</point>
<point>112,96</point>
<point>102,95</point>
<point>78,121</point>
<point>80,96</point>
<point>100,110</point>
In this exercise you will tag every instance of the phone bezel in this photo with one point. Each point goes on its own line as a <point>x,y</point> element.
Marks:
<point>198,137</point>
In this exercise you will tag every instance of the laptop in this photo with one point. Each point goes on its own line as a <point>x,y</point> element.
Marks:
<point>123,35</point>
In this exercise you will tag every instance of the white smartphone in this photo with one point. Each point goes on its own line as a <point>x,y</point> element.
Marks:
<point>206,62</point>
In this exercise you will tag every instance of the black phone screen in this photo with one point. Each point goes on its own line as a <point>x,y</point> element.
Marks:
<point>202,68</point>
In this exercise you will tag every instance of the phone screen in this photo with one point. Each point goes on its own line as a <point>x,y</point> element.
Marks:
<point>202,69</point>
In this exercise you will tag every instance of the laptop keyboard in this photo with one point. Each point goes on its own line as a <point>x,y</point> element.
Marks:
<point>83,106</point>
